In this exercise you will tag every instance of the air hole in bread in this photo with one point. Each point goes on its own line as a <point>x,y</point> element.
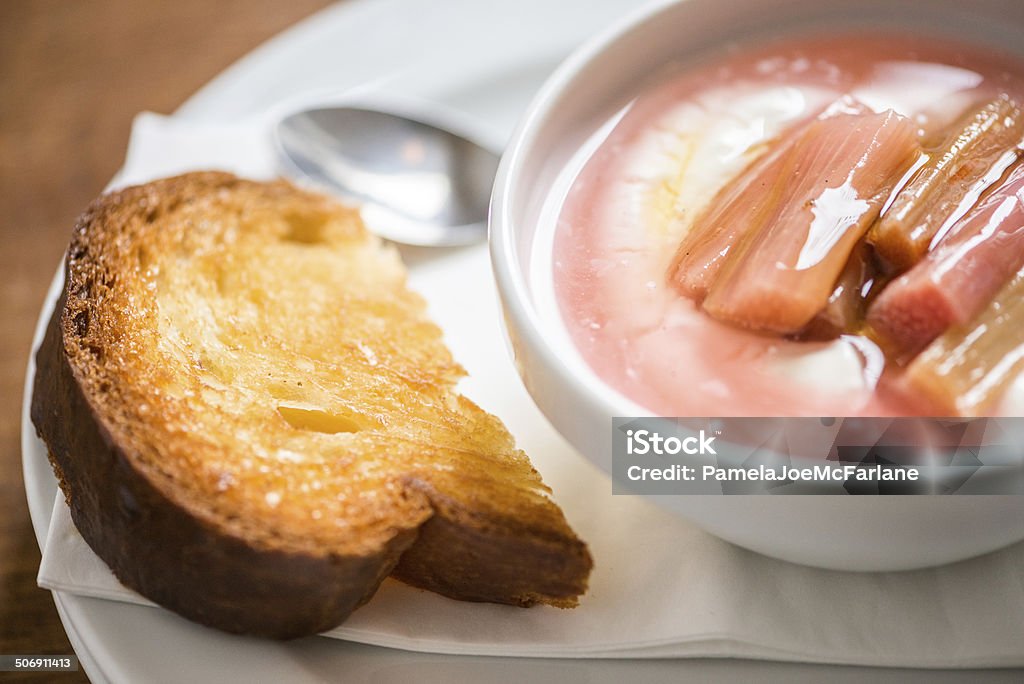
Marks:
<point>317,420</point>
<point>96,351</point>
<point>81,322</point>
<point>144,257</point>
<point>306,227</point>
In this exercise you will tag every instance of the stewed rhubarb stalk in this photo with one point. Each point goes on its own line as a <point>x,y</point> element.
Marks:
<point>967,369</point>
<point>796,229</point>
<point>958,277</point>
<point>740,207</point>
<point>973,156</point>
<point>844,312</point>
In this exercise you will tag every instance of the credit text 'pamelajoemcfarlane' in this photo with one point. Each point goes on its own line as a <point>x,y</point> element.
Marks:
<point>817,456</point>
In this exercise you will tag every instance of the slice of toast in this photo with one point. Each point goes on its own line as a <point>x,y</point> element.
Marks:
<point>254,422</point>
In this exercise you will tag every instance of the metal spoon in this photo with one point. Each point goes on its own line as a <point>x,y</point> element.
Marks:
<point>417,184</point>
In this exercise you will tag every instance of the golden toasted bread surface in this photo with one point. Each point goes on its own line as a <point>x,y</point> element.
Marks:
<point>254,421</point>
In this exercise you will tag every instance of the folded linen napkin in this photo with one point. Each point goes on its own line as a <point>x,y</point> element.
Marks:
<point>661,587</point>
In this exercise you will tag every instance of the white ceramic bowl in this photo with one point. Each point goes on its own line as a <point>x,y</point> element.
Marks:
<point>842,532</point>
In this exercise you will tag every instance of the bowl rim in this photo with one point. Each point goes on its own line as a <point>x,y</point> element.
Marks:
<point>511,280</point>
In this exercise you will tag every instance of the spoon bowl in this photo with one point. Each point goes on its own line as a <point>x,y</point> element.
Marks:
<point>417,184</point>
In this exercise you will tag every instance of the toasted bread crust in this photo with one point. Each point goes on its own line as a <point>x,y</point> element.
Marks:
<point>159,549</point>
<point>473,538</point>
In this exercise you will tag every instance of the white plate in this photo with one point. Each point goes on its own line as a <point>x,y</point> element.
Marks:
<point>484,59</point>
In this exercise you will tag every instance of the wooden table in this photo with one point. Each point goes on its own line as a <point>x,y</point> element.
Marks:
<point>73,75</point>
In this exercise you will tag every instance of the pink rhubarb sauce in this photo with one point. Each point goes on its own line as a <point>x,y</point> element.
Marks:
<point>673,148</point>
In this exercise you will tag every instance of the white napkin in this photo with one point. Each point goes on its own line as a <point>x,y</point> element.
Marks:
<point>661,587</point>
